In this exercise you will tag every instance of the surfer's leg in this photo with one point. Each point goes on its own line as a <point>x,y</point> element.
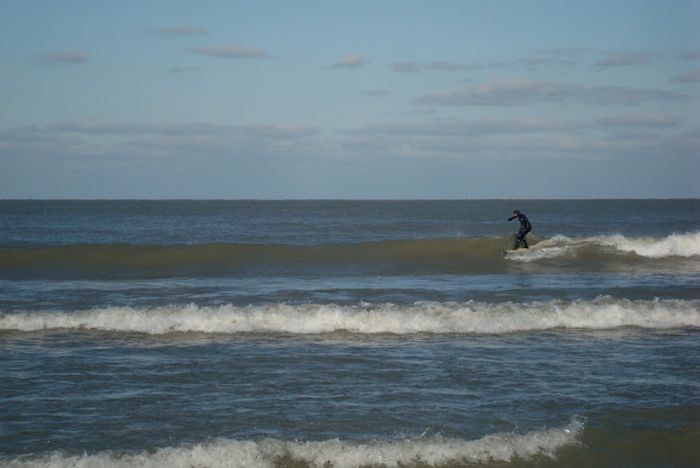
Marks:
<point>518,239</point>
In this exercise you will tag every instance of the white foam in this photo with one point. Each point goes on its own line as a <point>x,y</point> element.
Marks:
<point>541,252</point>
<point>266,453</point>
<point>675,245</point>
<point>421,317</point>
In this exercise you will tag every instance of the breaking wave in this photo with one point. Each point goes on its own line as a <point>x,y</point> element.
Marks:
<point>456,255</point>
<point>422,317</point>
<point>267,453</point>
<point>675,245</point>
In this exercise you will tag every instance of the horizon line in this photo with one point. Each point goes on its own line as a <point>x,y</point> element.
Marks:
<point>354,199</point>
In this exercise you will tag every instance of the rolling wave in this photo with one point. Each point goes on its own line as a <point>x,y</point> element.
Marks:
<point>122,260</point>
<point>673,246</point>
<point>424,317</point>
<point>422,451</point>
<point>457,255</point>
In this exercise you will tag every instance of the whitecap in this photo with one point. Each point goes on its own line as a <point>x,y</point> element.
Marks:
<point>421,317</point>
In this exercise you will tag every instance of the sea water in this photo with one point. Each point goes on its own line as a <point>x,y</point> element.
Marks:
<point>349,333</point>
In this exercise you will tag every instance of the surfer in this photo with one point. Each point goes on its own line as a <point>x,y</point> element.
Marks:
<point>525,227</point>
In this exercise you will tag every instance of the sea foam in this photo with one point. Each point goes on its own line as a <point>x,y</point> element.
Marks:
<point>422,317</point>
<point>267,453</point>
<point>675,245</point>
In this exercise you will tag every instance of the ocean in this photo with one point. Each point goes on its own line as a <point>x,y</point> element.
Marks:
<point>349,333</point>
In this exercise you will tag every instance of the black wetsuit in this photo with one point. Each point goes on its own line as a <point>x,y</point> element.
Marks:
<point>525,227</point>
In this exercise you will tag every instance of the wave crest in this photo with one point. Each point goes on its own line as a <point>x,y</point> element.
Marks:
<point>423,317</point>
<point>675,245</point>
<point>267,453</point>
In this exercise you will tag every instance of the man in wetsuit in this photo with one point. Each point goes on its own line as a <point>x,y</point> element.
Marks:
<point>525,227</point>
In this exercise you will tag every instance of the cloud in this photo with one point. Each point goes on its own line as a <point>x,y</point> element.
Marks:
<point>64,57</point>
<point>463,139</point>
<point>555,57</point>
<point>526,63</point>
<point>230,52</point>
<point>121,142</point>
<point>93,159</point>
<point>194,129</point>
<point>522,92</point>
<point>690,56</point>
<point>656,135</point>
<point>90,158</point>
<point>416,67</point>
<point>693,76</point>
<point>178,31</point>
<point>640,119</point>
<point>623,59</point>
<point>567,52</point>
<point>350,61</point>
<point>124,143</point>
<point>694,134</point>
<point>441,129</point>
<point>532,63</point>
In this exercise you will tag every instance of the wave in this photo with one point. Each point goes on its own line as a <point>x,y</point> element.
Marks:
<point>423,317</point>
<point>672,246</point>
<point>457,255</point>
<point>421,451</point>
<point>121,260</point>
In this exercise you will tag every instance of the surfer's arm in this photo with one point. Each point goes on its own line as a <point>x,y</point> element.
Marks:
<point>512,218</point>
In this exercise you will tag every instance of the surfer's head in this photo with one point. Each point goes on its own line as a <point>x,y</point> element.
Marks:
<point>516,212</point>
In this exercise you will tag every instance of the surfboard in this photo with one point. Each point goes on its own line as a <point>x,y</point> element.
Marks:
<point>511,251</point>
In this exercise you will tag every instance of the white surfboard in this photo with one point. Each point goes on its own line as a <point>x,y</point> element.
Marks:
<point>516,251</point>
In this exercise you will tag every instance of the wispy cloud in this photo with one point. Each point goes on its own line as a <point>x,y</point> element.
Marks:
<point>532,63</point>
<point>567,52</point>
<point>415,67</point>
<point>521,92</point>
<point>640,119</point>
<point>461,129</point>
<point>524,63</point>
<point>547,58</point>
<point>690,56</point>
<point>536,138</point>
<point>178,31</point>
<point>693,76</point>
<point>606,58</point>
<point>227,153</point>
<point>275,132</point>
<point>378,93</point>
<point>230,52</point>
<point>623,59</point>
<point>125,143</point>
<point>615,136</point>
<point>351,61</point>
<point>64,57</point>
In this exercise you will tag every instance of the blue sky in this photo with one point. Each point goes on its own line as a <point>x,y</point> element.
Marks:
<point>363,99</point>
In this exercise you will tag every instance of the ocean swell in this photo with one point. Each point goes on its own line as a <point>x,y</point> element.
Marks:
<point>410,256</point>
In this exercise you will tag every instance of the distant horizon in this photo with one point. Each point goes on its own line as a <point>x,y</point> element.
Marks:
<point>355,199</point>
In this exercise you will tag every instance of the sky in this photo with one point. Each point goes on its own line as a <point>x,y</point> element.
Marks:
<point>353,99</point>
